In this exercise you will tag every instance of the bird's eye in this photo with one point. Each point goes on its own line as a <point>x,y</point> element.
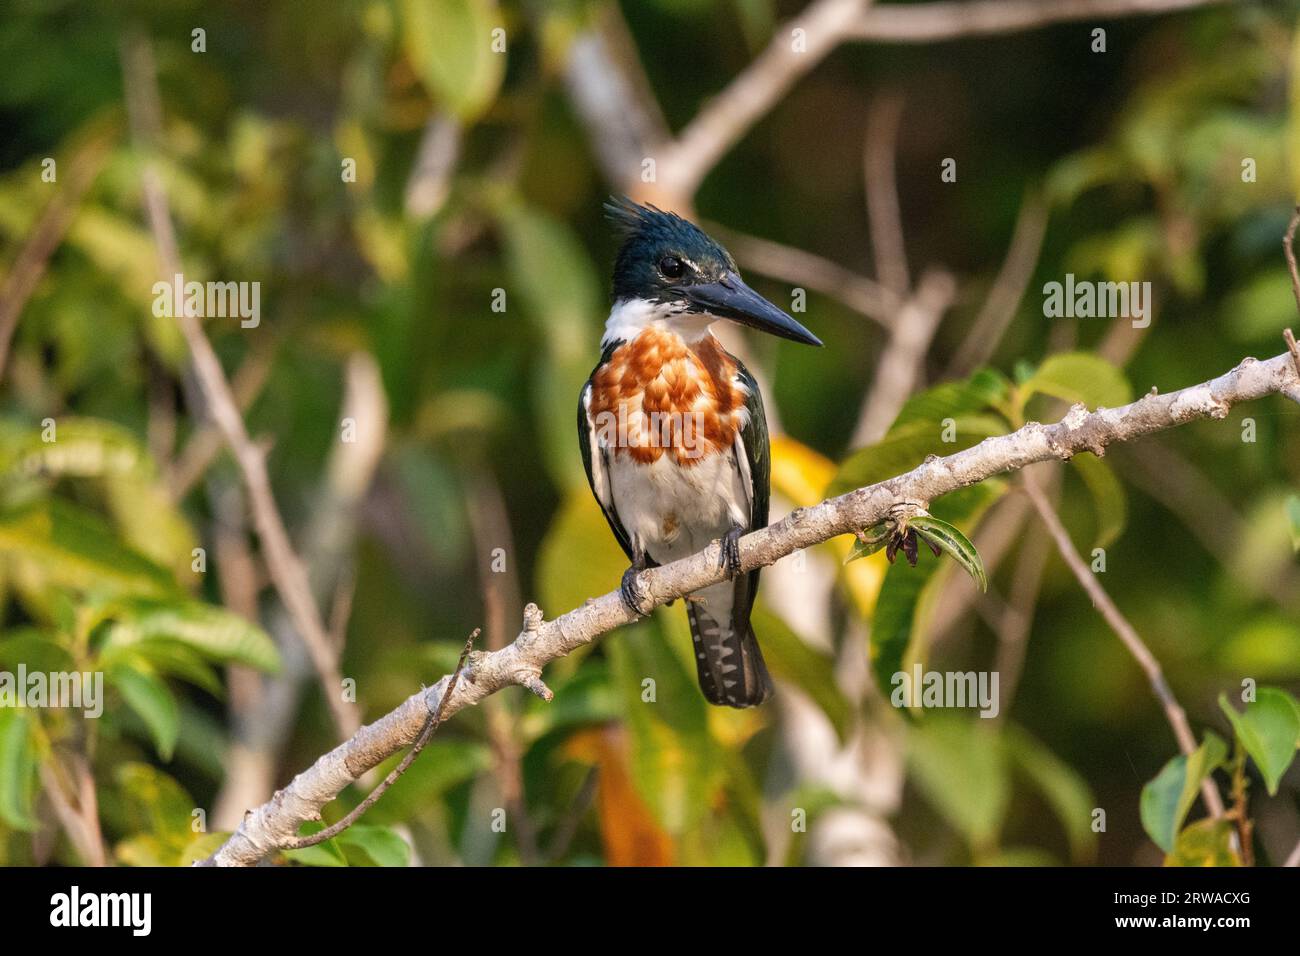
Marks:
<point>672,267</point>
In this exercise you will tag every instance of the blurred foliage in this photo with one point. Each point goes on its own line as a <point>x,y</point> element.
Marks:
<point>474,183</point>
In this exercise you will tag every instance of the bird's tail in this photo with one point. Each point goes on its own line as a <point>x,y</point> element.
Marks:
<point>727,658</point>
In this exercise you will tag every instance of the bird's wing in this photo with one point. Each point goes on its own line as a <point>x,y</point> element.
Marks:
<point>595,459</point>
<point>755,454</point>
<point>755,459</point>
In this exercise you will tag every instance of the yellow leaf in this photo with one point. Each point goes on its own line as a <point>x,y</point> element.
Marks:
<point>802,476</point>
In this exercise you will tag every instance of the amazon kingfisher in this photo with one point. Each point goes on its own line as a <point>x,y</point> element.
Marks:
<point>673,434</point>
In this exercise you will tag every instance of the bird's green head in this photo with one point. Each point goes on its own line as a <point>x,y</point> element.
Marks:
<point>673,266</point>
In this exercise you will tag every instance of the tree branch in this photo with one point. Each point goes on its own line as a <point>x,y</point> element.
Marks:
<point>929,22</point>
<point>1125,631</point>
<point>884,217</point>
<point>1008,288</point>
<point>726,118</point>
<point>900,364</point>
<point>807,270</point>
<point>275,824</point>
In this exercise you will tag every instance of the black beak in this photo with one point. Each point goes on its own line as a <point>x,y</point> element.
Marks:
<point>730,298</point>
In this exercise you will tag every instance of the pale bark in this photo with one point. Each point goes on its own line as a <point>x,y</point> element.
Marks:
<point>275,824</point>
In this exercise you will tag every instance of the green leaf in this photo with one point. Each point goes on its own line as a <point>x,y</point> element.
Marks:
<point>1110,504</point>
<point>154,804</point>
<point>152,702</point>
<point>1206,842</point>
<point>906,446</point>
<point>1063,788</point>
<point>958,764</point>
<point>1266,645</point>
<point>1169,795</point>
<point>144,849</point>
<point>587,696</point>
<point>1293,520</point>
<point>83,448</point>
<point>894,622</point>
<point>1080,377</point>
<point>202,846</point>
<point>368,845</point>
<point>1259,306</point>
<point>40,650</point>
<point>945,536</point>
<point>449,42</point>
<point>1269,729</point>
<point>872,540</point>
<point>793,661</point>
<point>150,522</point>
<point>320,854</point>
<point>676,765</point>
<point>984,390</point>
<point>1078,172</point>
<point>894,628</point>
<point>325,853</point>
<point>1020,856</point>
<point>218,634</point>
<point>166,657</point>
<point>442,765</point>
<point>18,768</point>
<point>74,548</point>
<point>146,518</point>
<point>578,528</point>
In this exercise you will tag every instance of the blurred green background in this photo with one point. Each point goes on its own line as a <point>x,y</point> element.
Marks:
<point>381,171</point>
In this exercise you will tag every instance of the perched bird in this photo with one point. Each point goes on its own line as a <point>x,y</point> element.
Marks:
<point>673,434</point>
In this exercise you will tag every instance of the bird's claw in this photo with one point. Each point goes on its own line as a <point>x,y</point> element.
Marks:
<point>729,553</point>
<point>630,591</point>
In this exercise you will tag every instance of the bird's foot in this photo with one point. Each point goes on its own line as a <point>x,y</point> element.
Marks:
<point>630,590</point>
<point>729,556</point>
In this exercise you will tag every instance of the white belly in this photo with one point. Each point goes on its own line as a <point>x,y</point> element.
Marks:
<point>672,511</point>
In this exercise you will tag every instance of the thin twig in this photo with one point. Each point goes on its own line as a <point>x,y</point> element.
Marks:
<point>1015,622</point>
<point>269,826</point>
<point>899,369</point>
<point>263,718</point>
<point>884,218</point>
<point>198,454</point>
<point>568,828</point>
<point>490,524</point>
<point>431,725</point>
<point>806,270</point>
<point>1125,631</point>
<point>900,366</point>
<point>1239,814</point>
<point>288,572</point>
<point>78,813</point>
<point>995,536</point>
<point>1288,250</point>
<point>1292,347</point>
<point>1008,288</point>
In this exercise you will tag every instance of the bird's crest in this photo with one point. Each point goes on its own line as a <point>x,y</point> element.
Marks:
<point>630,218</point>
